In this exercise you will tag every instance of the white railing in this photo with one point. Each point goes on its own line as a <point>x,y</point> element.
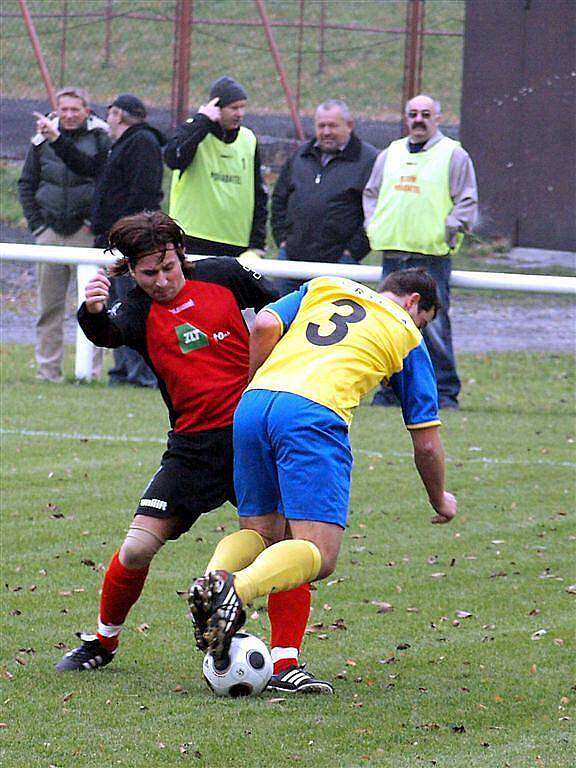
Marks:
<point>90,259</point>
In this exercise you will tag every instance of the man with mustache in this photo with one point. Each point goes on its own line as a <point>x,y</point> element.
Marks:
<point>420,199</point>
<point>217,195</point>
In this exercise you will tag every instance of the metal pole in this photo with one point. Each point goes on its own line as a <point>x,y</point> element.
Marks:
<point>299,66</point>
<point>322,37</point>
<point>48,84</point>
<point>63,42</point>
<point>280,67</point>
<point>182,46</point>
<point>108,33</point>
<point>412,52</point>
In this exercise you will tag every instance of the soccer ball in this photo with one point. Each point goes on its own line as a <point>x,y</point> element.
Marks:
<point>248,672</point>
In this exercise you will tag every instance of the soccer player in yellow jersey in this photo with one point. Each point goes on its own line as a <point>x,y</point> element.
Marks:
<point>313,355</point>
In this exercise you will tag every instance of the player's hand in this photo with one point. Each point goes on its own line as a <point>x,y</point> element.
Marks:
<point>97,292</point>
<point>447,510</point>
<point>251,255</point>
<point>211,110</point>
<point>45,127</point>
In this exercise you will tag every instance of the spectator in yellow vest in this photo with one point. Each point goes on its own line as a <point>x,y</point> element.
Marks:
<point>419,200</point>
<point>217,195</point>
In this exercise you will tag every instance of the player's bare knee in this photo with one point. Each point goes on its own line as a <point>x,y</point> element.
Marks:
<point>139,547</point>
<point>327,568</point>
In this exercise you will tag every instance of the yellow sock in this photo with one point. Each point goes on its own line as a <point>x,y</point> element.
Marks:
<point>282,566</point>
<point>236,551</point>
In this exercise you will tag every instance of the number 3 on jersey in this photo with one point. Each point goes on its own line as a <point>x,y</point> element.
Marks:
<point>340,323</point>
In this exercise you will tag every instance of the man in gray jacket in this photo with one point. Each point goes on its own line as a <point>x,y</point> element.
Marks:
<point>56,203</point>
<point>419,201</point>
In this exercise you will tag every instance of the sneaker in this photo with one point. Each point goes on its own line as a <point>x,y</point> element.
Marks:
<point>296,679</point>
<point>215,600</point>
<point>89,655</point>
<point>200,604</point>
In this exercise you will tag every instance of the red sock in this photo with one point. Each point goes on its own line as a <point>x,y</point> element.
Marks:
<point>121,589</point>
<point>288,612</point>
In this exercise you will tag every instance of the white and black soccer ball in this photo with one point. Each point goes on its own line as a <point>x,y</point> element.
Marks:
<point>248,672</point>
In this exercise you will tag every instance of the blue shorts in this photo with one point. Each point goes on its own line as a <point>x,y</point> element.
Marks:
<point>291,455</point>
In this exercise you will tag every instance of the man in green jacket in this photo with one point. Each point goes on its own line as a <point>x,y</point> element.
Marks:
<point>217,195</point>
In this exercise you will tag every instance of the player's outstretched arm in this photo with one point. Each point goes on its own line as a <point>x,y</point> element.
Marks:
<point>97,292</point>
<point>264,336</point>
<point>429,460</point>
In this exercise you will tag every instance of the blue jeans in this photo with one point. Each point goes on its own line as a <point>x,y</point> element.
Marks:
<point>438,334</point>
<point>288,284</point>
<point>129,366</point>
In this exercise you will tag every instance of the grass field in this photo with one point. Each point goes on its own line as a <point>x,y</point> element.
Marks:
<point>416,685</point>
<point>363,67</point>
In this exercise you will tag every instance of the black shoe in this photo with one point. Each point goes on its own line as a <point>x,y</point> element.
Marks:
<point>200,604</point>
<point>215,598</point>
<point>295,679</point>
<point>90,655</point>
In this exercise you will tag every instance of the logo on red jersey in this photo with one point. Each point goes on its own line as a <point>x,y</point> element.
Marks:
<point>190,338</point>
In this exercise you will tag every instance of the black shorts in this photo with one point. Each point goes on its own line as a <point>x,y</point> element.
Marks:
<point>195,476</point>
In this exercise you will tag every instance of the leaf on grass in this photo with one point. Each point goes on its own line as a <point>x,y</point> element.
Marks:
<point>429,726</point>
<point>143,628</point>
<point>538,634</point>
<point>403,647</point>
<point>498,541</point>
<point>254,615</point>
<point>67,697</point>
<point>21,661</point>
<point>317,626</point>
<point>389,660</point>
<point>60,646</point>
<point>335,581</point>
<point>276,701</point>
<point>3,725</point>
<point>571,589</point>
<point>13,589</point>
<point>327,607</point>
<point>463,614</point>
<point>15,612</point>
<point>533,669</point>
<point>432,559</point>
<point>65,593</point>
<point>338,624</point>
<point>89,563</point>
<point>412,610</point>
<point>498,574</point>
<point>534,612</point>
<point>382,606</point>
<point>7,675</point>
<point>350,663</point>
<point>437,575</point>
<point>558,641</point>
<point>458,729</point>
<point>180,689</point>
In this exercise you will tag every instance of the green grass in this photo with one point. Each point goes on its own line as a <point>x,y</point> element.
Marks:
<point>413,687</point>
<point>363,67</point>
<point>10,210</point>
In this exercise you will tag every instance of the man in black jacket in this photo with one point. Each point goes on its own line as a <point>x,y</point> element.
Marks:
<point>56,203</point>
<point>218,196</point>
<point>128,180</point>
<point>317,202</point>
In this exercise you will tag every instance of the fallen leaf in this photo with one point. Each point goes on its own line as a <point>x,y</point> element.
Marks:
<point>533,669</point>
<point>143,628</point>
<point>335,581</point>
<point>67,697</point>
<point>538,634</point>
<point>382,606</point>
<point>350,663</point>
<point>458,729</point>
<point>276,701</point>
<point>463,614</point>
<point>412,610</point>
<point>437,575</point>
<point>571,589</point>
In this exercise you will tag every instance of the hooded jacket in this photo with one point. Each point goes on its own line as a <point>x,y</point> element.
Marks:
<point>128,176</point>
<point>50,193</point>
<point>317,209</point>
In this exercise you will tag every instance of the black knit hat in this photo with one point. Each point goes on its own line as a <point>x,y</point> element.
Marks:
<point>227,90</point>
<point>129,103</point>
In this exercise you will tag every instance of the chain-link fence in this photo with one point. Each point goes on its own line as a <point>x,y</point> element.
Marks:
<point>328,49</point>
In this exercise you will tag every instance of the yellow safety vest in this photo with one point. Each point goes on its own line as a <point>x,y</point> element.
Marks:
<point>414,200</point>
<point>213,198</point>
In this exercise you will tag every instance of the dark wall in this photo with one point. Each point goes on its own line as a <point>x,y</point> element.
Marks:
<point>519,118</point>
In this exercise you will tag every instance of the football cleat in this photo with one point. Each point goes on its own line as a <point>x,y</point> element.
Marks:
<point>227,615</point>
<point>296,679</point>
<point>199,602</point>
<point>90,655</point>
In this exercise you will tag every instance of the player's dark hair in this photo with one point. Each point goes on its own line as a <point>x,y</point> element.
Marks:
<point>144,233</point>
<point>406,281</point>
